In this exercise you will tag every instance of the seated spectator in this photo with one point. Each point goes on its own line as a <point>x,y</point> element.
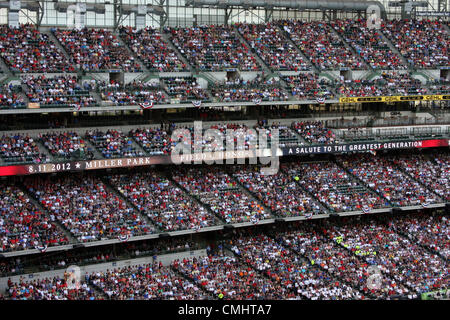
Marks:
<point>9,97</point>
<point>26,50</point>
<point>96,50</point>
<point>145,282</point>
<point>20,148</point>
<point>321,45</point>
<point>51,289</point>
<point>186,89</point>
<point>215,188</point>
<point>150,47</point>
<point>113,143</point>
<point>307,86</point>
<point>65,145</point>
<point>424,43</point>
<point>315,132</point>
<point>332,186</point>
<point>86,208</point>
<point>22,225</point>
<point>213,48</point>
<point>368,44</point>
<point>11,267</point>
<point>61,91</point>
<point>388,181</point>
<point>278,192</point>
<point>272,47</point>
<point>154,141</point>
<point>163,202</point>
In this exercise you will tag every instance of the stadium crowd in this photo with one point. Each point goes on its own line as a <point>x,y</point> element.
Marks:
<point>217,137</point>
<point>65,144</point>
<point>272,47</point>
<point>314,132</point>
<point>9,97</point>
<point>334,187</point>
<point>286,136</point>
<point>311,242</point>
<point>20,148</point>
<point>27,50</point>
<point>308,86</point>
<point>150,47</point>
<point>134,97</point>
<point>256,95</point>
<point>328,259</point>
<point>242,137</point>
<point>131,93</point>
<point>400,258</point>
<point>162,201</point>
<point>278,192</point>
<point>113,143</point>
<point>225,277</point>
<point>381,174</point>
<point>217,189</point>
<point>432,171</point>
<point>96,50</point>
<point>50,289</point>
<point>22,225</point>
<point>431,231</point>
<point>218,48</point>
<point>302,278</point>
<point>154,141</point>
<point>387,84</point>
<point>213,48</point>
<point>59,90</point>
<point>424,43</point>
<point>185,89</point>
<point>47,261</point>
<point>368,43</point>
<point>319,259</point>
<point>145,282</point>
<point>321,44</point>
<point>85,207</point>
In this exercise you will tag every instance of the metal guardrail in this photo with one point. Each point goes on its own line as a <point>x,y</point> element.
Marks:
<point>372,122</point>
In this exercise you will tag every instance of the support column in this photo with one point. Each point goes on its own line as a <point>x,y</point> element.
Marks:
<point>13,13</point>
<point>139,17</point>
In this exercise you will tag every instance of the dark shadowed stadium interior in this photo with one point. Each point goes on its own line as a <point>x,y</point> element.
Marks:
<point>224,150</point>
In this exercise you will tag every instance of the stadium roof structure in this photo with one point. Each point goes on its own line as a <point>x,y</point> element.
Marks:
<point>164,12</point>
